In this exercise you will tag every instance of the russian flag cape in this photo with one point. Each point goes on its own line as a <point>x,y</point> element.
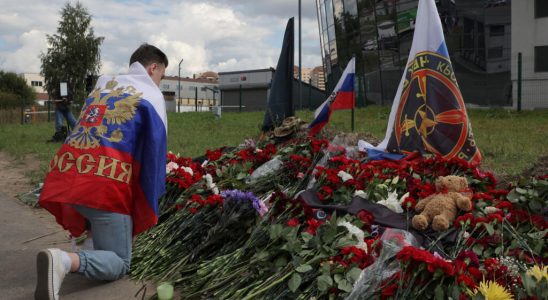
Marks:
<point>114,159</point>
<point>428,113</point>
<point>342,97</point>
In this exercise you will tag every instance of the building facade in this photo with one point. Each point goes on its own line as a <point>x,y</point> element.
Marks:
<point>530,38</point>
<point>250,89</point>
<point>36,81</point>
<point>379,34</point>
<point>317,77</point>
<point>190,94</point>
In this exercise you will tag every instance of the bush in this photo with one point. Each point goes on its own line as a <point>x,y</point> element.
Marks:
<point>14,90</point>
<point>9,100</point>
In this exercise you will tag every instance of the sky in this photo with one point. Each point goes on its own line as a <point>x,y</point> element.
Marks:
<point>214,35</point>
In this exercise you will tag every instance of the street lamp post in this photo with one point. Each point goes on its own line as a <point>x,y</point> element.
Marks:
<point>179,87</point>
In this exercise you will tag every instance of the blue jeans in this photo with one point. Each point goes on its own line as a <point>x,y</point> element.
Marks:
<point>112,242</point>
<point>61,114</point>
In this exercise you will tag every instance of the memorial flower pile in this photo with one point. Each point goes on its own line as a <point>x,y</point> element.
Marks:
<point>239,223</point>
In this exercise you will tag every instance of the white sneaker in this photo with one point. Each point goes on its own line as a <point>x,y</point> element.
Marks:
<point>51,272</point>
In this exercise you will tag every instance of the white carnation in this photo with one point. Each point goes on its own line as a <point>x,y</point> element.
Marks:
<point>356,233</point>
<point>344,176</point>
<point>171,166</point>
<point>189,171</point>
<point>392,203</point>
<point>360,193</point>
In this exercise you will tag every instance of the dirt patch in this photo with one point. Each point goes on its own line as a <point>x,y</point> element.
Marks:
<point>538,169</point>
<point>12,174</point>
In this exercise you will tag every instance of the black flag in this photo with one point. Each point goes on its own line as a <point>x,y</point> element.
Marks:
<point>280,101</point>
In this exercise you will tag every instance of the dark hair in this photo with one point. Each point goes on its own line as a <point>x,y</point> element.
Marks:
<point>147,54</point>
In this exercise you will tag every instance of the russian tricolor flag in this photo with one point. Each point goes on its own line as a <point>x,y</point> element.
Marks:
<point>342,97</point>
<point>114,159</point>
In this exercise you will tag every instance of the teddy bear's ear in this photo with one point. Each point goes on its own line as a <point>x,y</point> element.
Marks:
<point>463,183</point>
<point>440,183</point>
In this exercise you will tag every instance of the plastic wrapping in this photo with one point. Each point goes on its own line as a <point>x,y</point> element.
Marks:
<point>265,169</point>
<point>393,240</point>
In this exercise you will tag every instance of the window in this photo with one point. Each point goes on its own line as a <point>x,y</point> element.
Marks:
<point>191,88</point>
<point>541,8</point>
<point>541,59</point>
<point>36,83</point>
<point>494,52</point>
<point>496,30</point>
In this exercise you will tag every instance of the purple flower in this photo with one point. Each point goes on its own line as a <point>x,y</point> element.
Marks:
<point>240,197</point>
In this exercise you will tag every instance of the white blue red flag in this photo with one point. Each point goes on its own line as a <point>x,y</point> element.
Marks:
<point>342,97</point>
<point>428,113</point>
<point>114,159</point>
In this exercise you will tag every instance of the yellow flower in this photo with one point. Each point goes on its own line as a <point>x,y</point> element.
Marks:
<point>538,272</point>
<point>494,291</point>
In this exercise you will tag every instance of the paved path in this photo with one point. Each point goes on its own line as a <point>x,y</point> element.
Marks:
<point>19,224</point>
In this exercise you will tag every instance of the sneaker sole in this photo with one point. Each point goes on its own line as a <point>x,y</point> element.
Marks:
<point>44,285</point>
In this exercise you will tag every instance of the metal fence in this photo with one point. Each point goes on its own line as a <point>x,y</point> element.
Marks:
<point>529,82</point>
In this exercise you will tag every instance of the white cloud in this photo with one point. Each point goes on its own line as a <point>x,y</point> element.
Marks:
<point>219,35</point>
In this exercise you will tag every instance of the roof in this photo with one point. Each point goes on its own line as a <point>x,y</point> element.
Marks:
<point>186,79</point>
<point>248,71</point>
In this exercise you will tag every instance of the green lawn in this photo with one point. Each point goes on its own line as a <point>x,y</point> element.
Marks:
<point>509,141</point>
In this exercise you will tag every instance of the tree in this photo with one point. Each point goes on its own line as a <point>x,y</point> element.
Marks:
<point>73,53</point>
<point>14,91</point>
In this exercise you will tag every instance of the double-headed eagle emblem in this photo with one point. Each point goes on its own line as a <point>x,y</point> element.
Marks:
<point>102,117</point>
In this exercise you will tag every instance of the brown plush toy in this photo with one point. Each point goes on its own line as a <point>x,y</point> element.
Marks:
<point>441,208</point>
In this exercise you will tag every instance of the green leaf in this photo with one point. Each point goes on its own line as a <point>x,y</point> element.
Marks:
<point>294,246</point>
<point>344,242</point>
<point>521,191</point>
<point>498,250</point>
<point>513,196</point>
<point>338,278</point>
<point>261,255</point>
<point>241,176</point>
<point>306,236</point>
<point>538,235</point>
<point>478,249</point>
<point>329,235</point>
<point>353,274</point>
<point>324,282</point>
<point>489,228</point>
<point>275,231</point>
<point>535,206</point>
<point>344,285</point>
<point>280,262</point>
<point>303,268</point>
<point>294,282</point>
<point>439,293</point>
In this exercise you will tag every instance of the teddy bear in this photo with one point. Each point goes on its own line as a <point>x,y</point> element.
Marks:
<point>440,208</point>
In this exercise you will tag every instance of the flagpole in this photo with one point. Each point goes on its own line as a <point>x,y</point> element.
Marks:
<point>300,64</point>
<point>353,106</point>
<point>354,100</point>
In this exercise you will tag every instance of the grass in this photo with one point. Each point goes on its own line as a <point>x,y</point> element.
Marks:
<point>509,141</point>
